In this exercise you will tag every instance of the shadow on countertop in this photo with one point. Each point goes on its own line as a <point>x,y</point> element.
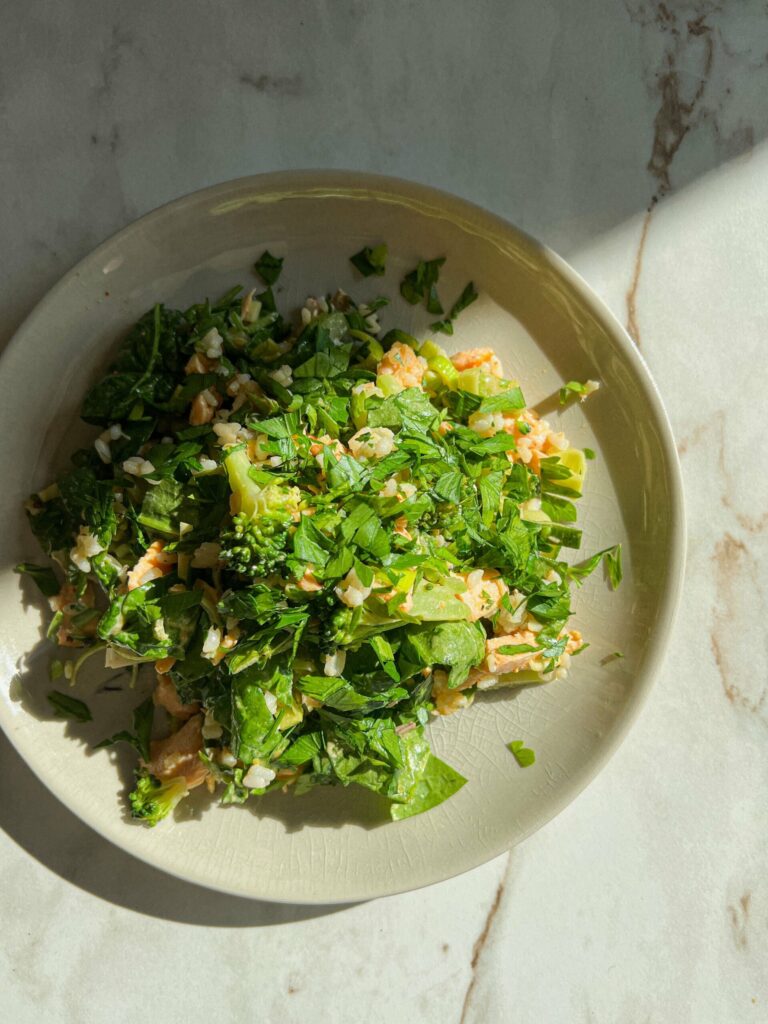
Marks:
<point>42,826</point>
<point>576,119</point>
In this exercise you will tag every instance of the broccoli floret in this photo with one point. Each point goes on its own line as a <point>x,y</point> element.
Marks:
<point>348,627</point>
<point>153,800</point>
<point>255,545</point>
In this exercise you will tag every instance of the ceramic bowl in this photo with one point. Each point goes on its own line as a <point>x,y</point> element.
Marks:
<point>547,326</point>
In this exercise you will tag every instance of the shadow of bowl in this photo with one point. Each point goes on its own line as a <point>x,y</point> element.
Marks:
<point>42,826</point>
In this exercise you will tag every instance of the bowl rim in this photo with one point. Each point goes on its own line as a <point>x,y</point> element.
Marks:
<point>346,183</point>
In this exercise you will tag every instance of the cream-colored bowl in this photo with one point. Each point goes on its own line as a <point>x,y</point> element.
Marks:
<point>334,845</point>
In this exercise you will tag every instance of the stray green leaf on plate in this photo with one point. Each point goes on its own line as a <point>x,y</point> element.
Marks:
<point>69,707</point>
<point>522,754</point>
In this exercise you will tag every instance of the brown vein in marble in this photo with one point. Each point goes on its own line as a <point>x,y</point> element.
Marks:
<point>479,945</point>
<point>739,918</point>
<point>677,114</point>
<point>748,523</point>
<point>714,435</point>
<point>734,568</point>
<point>633,328</point>
<point>730,557</point>
<point>674,118</point>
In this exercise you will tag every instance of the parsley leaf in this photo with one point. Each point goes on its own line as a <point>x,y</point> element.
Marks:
<point>44,577</point>
<point>467,297</point>
<point>370,260</point>
<point>522,754</point>
<point>69,707</point>
<point>421,283</point>
<point>269,268</point>
<point>612,558</point>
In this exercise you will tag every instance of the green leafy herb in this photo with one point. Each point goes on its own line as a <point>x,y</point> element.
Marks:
<point>370,260</point>
<point>509,400</point>
<point>69,707</point>
<point>467,297</point>
<point>44,577</point>
<point>456,645</point>
<point>522,754</point>
<point>421,284</point>
<point>612,558</point>
<point>437,783</point>
<point>269,267</point>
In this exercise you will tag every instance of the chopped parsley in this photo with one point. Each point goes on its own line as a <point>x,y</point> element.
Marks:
<point>370,260</point>
<point>69,707</point>
<point>467,297</point>
<point>420,284</point>
<point>522,754</point>
<point>269,268</point>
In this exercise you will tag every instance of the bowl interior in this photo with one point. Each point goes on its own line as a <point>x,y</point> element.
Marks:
<point>547,327</point>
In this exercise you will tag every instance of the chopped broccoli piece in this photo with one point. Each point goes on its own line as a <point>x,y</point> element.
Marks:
<point>255,545</point>
<point>153,800</point>
<point>349,627</point>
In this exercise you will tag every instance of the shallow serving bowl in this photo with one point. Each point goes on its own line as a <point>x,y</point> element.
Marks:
<point>545,323</point>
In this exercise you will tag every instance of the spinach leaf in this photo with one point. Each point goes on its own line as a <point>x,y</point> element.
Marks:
<point>307,746</point>
<point>458,646</point>
<point>160,505</point>
<point>255,732</point>
<point>410,410</point>
<point>437,783</point>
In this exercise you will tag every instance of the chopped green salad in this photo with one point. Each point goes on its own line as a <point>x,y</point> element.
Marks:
<point>318,534</point>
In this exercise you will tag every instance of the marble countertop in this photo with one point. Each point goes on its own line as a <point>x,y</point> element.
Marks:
<point>631,137</point>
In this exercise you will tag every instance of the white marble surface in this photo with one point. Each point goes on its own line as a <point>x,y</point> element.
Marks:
<point>646,900</point>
